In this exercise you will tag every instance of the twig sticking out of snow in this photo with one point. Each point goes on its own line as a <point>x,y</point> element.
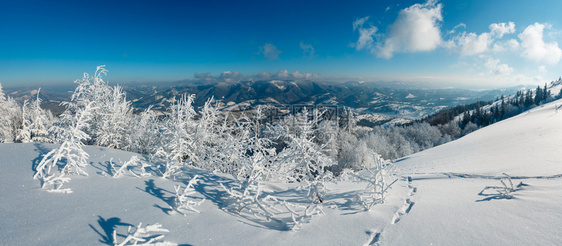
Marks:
<point>143,236</point>
<point>57,182</point>
<point>117,172</point>
<point>304,216</point>
<point>501,191</point>
<point>247,198</point>
<point>182,200</point>
<point>171,166</point>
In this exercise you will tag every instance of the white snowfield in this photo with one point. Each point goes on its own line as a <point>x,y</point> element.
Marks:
<point>449,195</point>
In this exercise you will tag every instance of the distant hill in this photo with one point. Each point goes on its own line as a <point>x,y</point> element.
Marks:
<point>392,99</point>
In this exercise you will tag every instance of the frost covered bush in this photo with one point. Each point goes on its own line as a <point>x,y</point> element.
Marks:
<point>115,125</point>
<point>10,118</point>
<point>303,160</point>
<point>182,199</point>
<point>69,158</point>
<point>111,114</point>
<point>147,135</point>
<point>377,176</point>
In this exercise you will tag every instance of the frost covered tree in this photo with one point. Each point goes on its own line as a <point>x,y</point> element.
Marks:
<point>93,91</point>
<point>10,118</point>
<point>179,129</point>
<point>146,137</point>
<point>69,158</point>
<point>211,148</point>
<point>24,133</point>
<point>250,163</point>
<point>41,121</point>
<point>115,122</point>
<point>35,122</point>
<point>303,160</point>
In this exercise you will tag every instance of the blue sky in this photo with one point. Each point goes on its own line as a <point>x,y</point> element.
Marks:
<point>496,43</point>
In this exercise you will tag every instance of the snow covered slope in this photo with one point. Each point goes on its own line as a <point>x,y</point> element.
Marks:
<point>449,195</point>
<point>459,198</point>
<point>100,204</point>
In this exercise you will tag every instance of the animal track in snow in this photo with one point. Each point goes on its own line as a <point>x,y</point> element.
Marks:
<point>373,238</point>
<point>408,204</point>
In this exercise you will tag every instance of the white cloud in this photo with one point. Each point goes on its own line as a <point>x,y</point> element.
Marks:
<point>307,50</point>
<point>535,48</point>
<point>263,75</point>
<point>503,46</point>
<point>499,29</point>
<point>298,75</point>
<point>203,76</point>
<point>366,40</point>
<point>416,29</point>
<point>524,79</point>
<point>283,74</point>
<point>542,69</point>
<point>359,22</point>
<point>456,27</point>
<point>471,44</point>
<point>497,68</point>
<point>366,34</point>
<point>235,76</point>
<point>229,76</point>
<point>513,44</point>
<point>468,44</point>
<point>269,51</point>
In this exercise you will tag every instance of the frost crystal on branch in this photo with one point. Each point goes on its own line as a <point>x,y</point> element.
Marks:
<point>144,236</point>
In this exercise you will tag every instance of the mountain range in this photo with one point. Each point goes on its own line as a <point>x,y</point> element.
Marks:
<point>384,99</point>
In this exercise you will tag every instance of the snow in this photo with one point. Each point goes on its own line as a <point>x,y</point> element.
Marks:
<point>31,216</point>
<point>440,198</point>
<point>449,206</point>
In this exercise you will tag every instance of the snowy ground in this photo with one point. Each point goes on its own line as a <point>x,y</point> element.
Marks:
<point>443,196</point>
<point>452,205</point>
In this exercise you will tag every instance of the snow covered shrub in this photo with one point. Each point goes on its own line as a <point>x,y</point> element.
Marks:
<point>111,114</point>
<point>10,118</point>
<point>93,91</point>
<point>41,121</point>
<point>250,164</point>
<point>303,160</point>
<point>56,181</point>
<point>168,168</point>
<point>35,122</point>
<point>118,171</point>
<point>248,198</point>
<point>114,128</point>
<point>377,176</point>
<point>182,200</point>
<point>213,143</point>
<point>247,191</point>
<point>149,235</point>
<point>24,133</point>
<point>146,136</point>
<point>70,158</point>
<point>179,130</point>
<point>304,215</point>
